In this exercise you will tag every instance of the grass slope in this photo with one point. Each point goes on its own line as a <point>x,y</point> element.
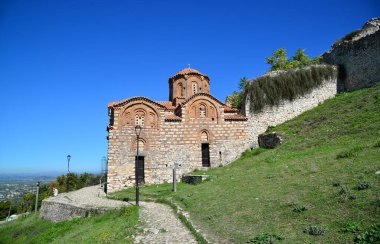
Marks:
<point>327,152</point>
<point>116,226</point>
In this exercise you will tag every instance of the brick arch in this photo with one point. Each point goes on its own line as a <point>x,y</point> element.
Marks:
<point>143,142</point>
<point>207,131</point>
<point>194,109</point>
<point>128,116</point>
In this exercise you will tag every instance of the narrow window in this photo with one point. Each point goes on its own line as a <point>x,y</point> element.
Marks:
<point>195,89</point>
<point>202,111</point>
<point>180,90</point>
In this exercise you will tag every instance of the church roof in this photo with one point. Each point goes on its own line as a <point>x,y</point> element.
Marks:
<point>168,104</point>
<point>188,71</point>
<point>132,99</point>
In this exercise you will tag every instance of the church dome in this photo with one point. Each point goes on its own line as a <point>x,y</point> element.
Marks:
<point>188,71</point>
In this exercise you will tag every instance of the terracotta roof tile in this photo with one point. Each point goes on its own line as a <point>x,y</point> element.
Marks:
<point>172,118</point>
<point>235,117</point>
<point>187,71</point>
<point>122,102</point>
<point>168,105</point>
<point>229,109</point>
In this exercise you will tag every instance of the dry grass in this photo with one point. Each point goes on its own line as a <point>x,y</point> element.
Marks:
<point>267,90</point>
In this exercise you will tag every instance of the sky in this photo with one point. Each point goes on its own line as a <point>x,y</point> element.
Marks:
<point>61,62</point>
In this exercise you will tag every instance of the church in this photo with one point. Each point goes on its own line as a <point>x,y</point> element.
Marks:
<point>193,129</point>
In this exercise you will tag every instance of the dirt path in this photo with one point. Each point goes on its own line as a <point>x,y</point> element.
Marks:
<point>160,225</point>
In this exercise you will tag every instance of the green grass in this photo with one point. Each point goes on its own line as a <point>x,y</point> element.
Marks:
<point>116,226</point>
<point>327,152</point>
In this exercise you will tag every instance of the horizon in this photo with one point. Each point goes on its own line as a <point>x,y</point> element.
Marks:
<point>62,63</point>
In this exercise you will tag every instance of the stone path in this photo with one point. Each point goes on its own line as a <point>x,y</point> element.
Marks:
<point>160,225</point>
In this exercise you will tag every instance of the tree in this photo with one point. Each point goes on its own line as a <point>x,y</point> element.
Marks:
<point>279,60</point>
<point>236,98</point>
<point>6,208</point>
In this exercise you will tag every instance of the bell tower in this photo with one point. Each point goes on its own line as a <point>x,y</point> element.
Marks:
<point>187,83</point>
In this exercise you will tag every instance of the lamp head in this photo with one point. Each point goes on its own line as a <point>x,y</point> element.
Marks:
<point>138,129</point>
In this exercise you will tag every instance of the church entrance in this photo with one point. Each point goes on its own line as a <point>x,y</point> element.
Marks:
<point>140,169</point>
<point>205,155</point>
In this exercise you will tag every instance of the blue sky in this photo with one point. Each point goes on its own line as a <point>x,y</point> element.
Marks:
<point>61,62</point>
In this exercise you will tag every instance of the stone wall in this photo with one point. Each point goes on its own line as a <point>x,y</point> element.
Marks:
<point>172,142</point>
<point>258,122</point>
<point>57,211</point>
<point>358,58</point>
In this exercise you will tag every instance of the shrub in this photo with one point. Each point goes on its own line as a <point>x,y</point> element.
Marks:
<point>351,227</point>
<point>337,183</point>
<point>300,209</point>
<point>289,85</point>
<point>265,238</point>
<point>362,185</point>
<point>377,144</point>
<point>353,152</point>
<point>315,230</point>
<point>346,193</point>
<point>371,235</point>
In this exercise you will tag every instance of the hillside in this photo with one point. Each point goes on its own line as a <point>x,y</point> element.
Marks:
<point>116,226</point>
<point>313,179</point>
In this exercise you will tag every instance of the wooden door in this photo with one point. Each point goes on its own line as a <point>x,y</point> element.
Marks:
<point>205,155</point>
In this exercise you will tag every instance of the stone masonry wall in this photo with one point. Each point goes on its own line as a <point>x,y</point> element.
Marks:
<point>359,58</point>
<point>258,122</point>
<point>172,142</point>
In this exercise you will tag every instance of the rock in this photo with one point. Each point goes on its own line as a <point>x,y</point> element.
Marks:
<point>194,179</point>
<point>270,140</point>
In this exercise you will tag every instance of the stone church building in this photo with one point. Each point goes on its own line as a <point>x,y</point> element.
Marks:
<point>192,129</point>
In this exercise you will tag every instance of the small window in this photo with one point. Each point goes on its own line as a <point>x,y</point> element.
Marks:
<point>141,145</point>
<point>195,88</point>
<point>202,111</point>
<point>139,120</point>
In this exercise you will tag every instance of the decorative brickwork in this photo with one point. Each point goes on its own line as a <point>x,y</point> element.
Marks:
<point>173,132</point>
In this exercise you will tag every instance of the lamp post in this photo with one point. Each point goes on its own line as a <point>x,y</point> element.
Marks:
<point>68,163</point>
<point>68,171</point>
<point>38,189</point>
<point>138,129</point>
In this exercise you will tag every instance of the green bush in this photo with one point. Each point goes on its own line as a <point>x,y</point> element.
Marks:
<point>299,209</point>
<point>265,238</point>
<point>362,185</point>
<point>315,230</point>
<point>371,235</point>
<point>351,227</point>
<point>346,193</point>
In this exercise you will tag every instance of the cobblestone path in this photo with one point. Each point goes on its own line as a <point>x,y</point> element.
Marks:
<point>159,224</point>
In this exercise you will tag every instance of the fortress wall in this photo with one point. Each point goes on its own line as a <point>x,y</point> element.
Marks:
<point>358,59</point>
<point>258,122</point>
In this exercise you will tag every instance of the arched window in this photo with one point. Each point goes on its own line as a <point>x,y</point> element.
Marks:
<point>195,88</point>
<point>180,90</point>
<point>140,118</point>
<point>202,111</point>
<point>141,145</point>
<point>204,136</point>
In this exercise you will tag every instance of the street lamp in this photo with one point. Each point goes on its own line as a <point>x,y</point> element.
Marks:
<point>68,163</point>
<point>38,188</point>
<point>68,170</point>
<point>138,129</point>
